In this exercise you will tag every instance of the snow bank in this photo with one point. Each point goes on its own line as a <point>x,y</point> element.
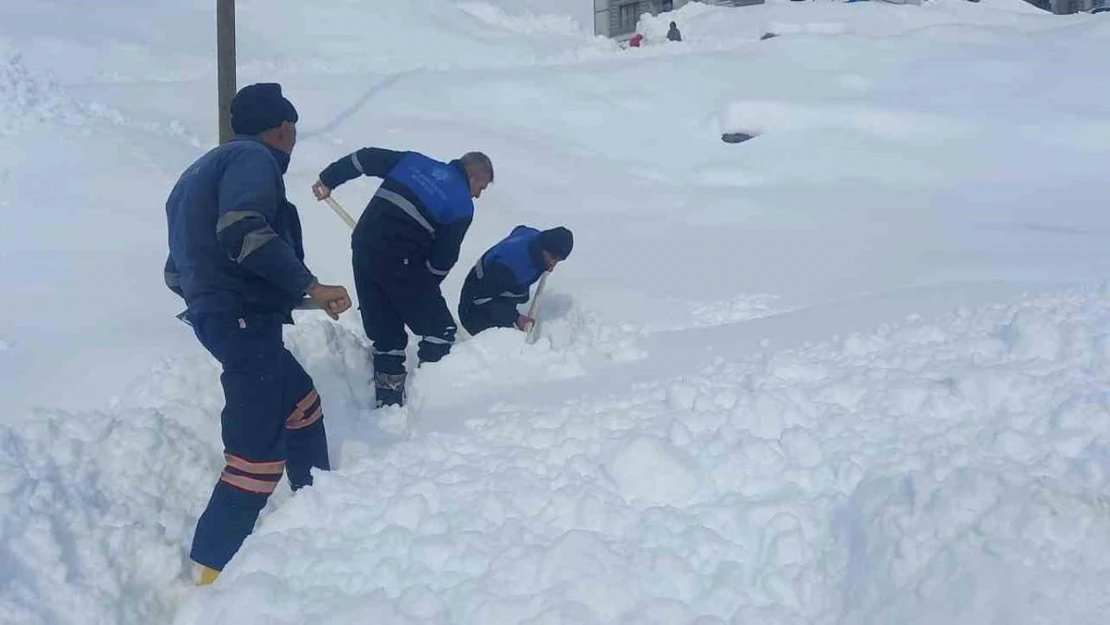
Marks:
<point>623,137</point>
<point>932,470</point>
<point>759,116</point>
<point>408,36</point>
<point>971,439</point>
<point>527,24</point>
<point>656,456</point>
<point>28,100</point>
<point>101,503</point>
<point>675,314</point>
<point>78,182</point>
<point>1014,6</point>
<point>124,43</point>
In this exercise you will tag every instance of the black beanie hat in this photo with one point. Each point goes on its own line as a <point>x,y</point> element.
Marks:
<point>260,107</point>
<point>557,242</point>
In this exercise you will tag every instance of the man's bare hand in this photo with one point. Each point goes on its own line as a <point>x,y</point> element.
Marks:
<point>331,299</point>
<point>524,323</point>
<point>320,190</point>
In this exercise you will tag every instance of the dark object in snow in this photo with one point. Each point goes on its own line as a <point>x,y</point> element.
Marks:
<point>736,137</point>
<point>673,34</point>
<point>767,36</point>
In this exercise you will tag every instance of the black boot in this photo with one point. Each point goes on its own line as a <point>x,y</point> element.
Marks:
<point>389,389</point>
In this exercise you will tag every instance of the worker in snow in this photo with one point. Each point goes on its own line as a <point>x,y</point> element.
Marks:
<point>406,241</point>
<point>673,34</point>
<point>636,40</point>
<point>500,280</point>
<point>237,259</point>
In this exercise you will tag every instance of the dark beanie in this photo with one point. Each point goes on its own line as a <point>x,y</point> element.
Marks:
<point>557,242</point>
<point>260,107</point>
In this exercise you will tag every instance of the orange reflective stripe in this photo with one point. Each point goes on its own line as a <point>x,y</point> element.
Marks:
<point>258,468</point>
<point>307,401</point>
<point>307,421</point>
<point>297,419</point>
<point>248,484</point>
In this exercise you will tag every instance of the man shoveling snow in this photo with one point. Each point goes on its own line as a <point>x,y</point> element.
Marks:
<point>501,278</point>
<point>406,241</point>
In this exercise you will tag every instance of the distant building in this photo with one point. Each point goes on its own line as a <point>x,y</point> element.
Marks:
<point>1064,7</point>
<point>618,18</point>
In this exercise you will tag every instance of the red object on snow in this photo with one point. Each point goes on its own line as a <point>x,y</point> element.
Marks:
<point>636,40</point>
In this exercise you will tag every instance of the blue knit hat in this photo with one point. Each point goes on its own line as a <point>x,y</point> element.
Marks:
<point>260,107</point>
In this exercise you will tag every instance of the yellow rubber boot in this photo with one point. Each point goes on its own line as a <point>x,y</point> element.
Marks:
<point>207,575</point>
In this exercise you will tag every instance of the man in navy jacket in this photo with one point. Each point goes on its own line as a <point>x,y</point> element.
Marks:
<point>406,241</point>
<point>237,259</point>
<point>500,280</point>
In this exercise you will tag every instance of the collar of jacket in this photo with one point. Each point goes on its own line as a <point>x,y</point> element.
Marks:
<point>535,252</point>
<point>462,171</point>
<point>281,157</point>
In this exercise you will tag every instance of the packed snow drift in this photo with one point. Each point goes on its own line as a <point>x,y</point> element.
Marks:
<point>853,370</point>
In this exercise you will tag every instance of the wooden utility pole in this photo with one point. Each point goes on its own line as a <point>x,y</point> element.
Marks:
<point>225,63</point>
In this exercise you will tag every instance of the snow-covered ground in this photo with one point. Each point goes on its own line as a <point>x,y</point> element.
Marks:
<point>853,370</point>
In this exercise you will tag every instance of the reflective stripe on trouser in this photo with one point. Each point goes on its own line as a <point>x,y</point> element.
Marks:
<point>392,295</point>
<point>476,318</point>
<point>433,348</point>
<point>272,423</point>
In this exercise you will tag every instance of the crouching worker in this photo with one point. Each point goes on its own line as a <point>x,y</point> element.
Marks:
<point>236,257</point>
<point>501,279</point>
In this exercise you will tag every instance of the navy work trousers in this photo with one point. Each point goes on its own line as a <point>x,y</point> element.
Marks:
<point>392,294</point>
<point>272,422</point>
<point>477,318</point>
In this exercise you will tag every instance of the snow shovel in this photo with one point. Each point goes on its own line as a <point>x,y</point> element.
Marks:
<point>339,211</point>
<point>531,336</point>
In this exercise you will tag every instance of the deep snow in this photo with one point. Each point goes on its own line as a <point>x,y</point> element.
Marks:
<point>850,371</point>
